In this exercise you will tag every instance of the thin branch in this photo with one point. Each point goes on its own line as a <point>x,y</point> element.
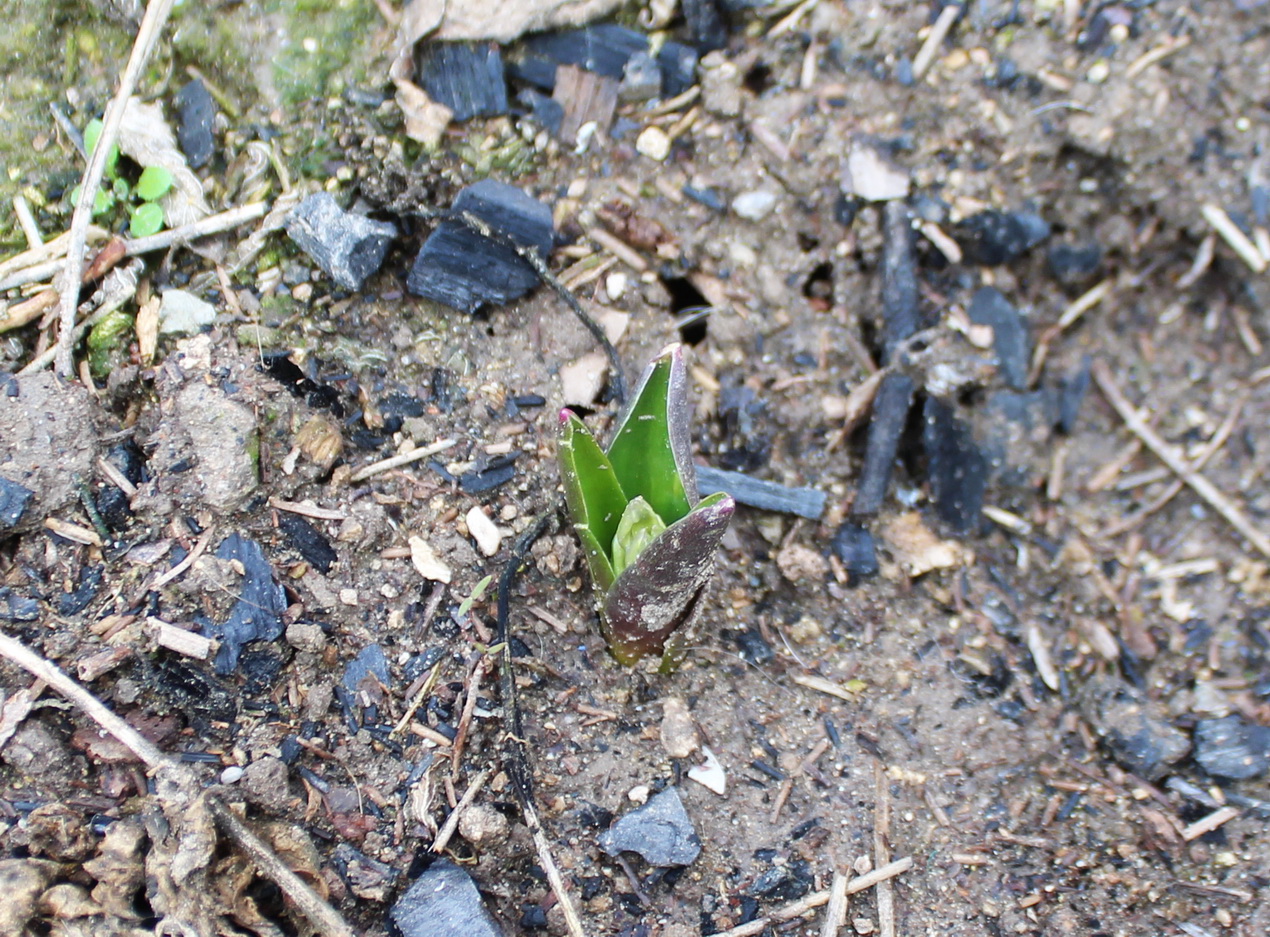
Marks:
<point>1174,460</point>
<point>147,35</point>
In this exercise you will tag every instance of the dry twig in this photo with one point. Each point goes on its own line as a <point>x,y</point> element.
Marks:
<point>1174,460</point>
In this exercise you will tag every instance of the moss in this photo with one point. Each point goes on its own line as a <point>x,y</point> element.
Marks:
<point>108,342</point>
<point>322,40</point>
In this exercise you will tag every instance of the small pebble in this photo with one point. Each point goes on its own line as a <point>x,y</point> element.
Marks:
<point>231,775</point>
<point>710,773</point>
<point>754,206</point>
<point>678,730</point>
<point>483,531</point>
<point>638,794</point>
<point>653,143</point>
<point>615,286</point>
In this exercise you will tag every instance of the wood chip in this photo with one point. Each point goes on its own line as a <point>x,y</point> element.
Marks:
<point>1209,823</point>
<point>427,563</point>
<point>184,642</point>
<point>73,532</point>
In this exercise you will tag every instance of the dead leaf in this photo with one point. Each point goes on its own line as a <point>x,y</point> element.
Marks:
<point>495,19</point>
<point>917,550</point>
<point>12,711</point>
<point>146,138</point>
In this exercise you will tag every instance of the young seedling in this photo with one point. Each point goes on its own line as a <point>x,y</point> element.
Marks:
<point>154,182</point>
<point>648,538</point>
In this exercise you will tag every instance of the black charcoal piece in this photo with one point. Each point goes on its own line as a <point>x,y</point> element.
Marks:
<point>900,311</point>
<point>886,426</point>
<point>753,647</point>
<point>466,77</point>
<point>347,246</point>
<point>706,24</point>
<point>678,68</point>
<point>641,79</point>
<point>1231,748</point>
<point>996,237</point>
<point>14,501</point>
<point>1072,395</point>
<point>1132,727</point>
<point>443,902</point>
<point>369,662</point>
<point>465,271</point>
<point>498,472</point>
<point>957,470</point>
<point>113,504</point>
<point>78,599</point>
<point>1010,339</point>
<point>1073,264</point>
<point>15,607</point>
<point>764,495</point>
<point>257,615</point>
<point>853,545</point>
<point>661,831</point>
<point>196,113</point>
<point>545,111</point>
<point>308,541</point>
<point>604,49</point>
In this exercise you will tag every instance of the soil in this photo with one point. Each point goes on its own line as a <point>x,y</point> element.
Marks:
<point>1014,708</point>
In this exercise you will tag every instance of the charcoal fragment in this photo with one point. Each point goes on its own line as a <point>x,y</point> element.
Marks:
<point>257,615</point>
<point>1232,748</point>
<point>604,49</point>
<point>706,24</point>
<point>991,238</point>
<point>1010,339</point>
<point>347,246</point>
<point>442,902</point>
<point>765,495</point>
<point>545,111</point>
<point>678,68</point>
<point>498,472</point>
<point>1132,727</point>
<point>196,113</point>
<point>16,607</point>
<point>1074,264</point>
<point>886,426</point>
<point>465,271</point>
<point>853,545</point>
<point>14,501</point>
<point>1072,395</point>
<point>956,467</point>
<point>78,599</point>
<point>468,78</point>
<point>308,541</point>
<point>661,831</point>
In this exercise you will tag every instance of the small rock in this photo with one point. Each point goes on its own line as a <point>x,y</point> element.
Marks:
<point>347,246</point>
<point>197,112</point>
<point>660,831</point>
<point>641,79</point>
<point>183,313</point>
<point>22,881</point>
<point>755,205</point>
<point>1074,264</point>
<point>232,775</point>
<point>710,774</point>
<point>426,562</point>
<point>798,562</point>
<point>1132,727</point>
<point>678,730</point>
<point>443,902</point>
<point>14,500</point>
<point>488,537</point>
<point>916,549</point>
<point>1231,748</point>
<point>266,784</point>
<point>853,545</point>
<point>220,434</point>
<point>483,825</point>
<point>871,174</point>
<point>653,143</point>
<point>582,380</point>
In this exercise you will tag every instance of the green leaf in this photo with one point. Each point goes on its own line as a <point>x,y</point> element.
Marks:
<point>638,527</point>
<point>595,500</point>
<point>92,133</point>
<point>103,201</point>
<point>146,219</point>
<point>650,448</point>
<point>154,183</point>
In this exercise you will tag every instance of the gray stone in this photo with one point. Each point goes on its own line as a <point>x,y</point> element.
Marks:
<point>14,500</point>
<point>183,313</point>
<point>222,437</point>
<point>661,831</point>
<point>47,439</point>
<point>443,902</point>
<point>347,246</point>
<point>1231,748</point>
<point>1132,727</point>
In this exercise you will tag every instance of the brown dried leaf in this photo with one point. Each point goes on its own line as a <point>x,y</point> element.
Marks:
<point>12,711</point>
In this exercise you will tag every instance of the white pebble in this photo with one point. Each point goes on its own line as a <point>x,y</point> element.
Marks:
<point>754,206</point>
<point>653,143</point>
<point>483,531</point>
<point>231,775</point>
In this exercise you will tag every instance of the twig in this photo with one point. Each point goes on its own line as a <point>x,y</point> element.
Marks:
<point>836,913</point>
<point>1170,457</point>
<point>414,455</point>
<point>1082,304</point>
<point>882,848</point>
<point>1239,242</point>
<point>204,227</point>
<point>190,559</point>
<point>947,16</point>
<point>1219,439</point>
<point>818,898</point>
<point>319,913</point>
<point>452,821</point>
<point>147,35</point>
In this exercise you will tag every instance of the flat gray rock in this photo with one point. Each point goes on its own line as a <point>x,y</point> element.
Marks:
<point>661,831</point>
<point>443,902</point>
<point>347,246</point>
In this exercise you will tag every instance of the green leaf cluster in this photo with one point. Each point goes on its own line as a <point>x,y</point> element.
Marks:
<point>145,214</point>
